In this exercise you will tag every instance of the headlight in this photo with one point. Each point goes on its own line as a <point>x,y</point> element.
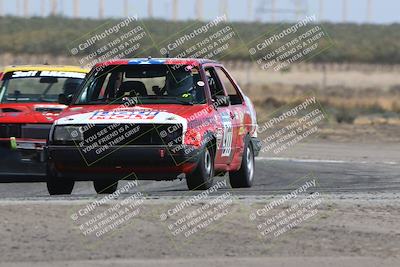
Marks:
<point>68,133</point>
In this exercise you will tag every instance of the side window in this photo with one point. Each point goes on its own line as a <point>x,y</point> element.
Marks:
<point>229,87</point>
<point>95,90</point>
<point>214,83</point>
<point>102,93</point>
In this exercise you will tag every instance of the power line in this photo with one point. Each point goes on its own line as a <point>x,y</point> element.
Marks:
<point>269,7</point>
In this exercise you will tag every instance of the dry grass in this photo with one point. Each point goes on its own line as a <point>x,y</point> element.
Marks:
<point>346,92</point>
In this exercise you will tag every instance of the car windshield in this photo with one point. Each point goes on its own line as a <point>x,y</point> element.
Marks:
<point>38,86</point>
<point>147,84</point>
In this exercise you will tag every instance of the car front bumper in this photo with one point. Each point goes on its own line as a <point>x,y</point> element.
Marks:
<point>22,160</point>
<point>144,162</point>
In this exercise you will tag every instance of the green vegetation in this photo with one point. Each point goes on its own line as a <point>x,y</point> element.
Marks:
<point>352,42</point>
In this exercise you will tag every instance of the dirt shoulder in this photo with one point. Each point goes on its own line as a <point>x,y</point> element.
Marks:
<point>221,262</point>
<point>345,226</point>
<point>342,151</point>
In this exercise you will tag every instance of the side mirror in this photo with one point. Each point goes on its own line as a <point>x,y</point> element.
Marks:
<point>222,101</point>
<point>65,100</point>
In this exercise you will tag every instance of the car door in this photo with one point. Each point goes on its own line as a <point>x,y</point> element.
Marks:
<point>225,135</point>
<point>235,108</point>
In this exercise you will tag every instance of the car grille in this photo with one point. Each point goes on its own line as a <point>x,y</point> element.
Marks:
<point>10,130</point>
<point>135,134</point>
<point>34,131</point>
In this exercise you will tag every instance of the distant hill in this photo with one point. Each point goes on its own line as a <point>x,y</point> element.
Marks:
<point>352,42</point>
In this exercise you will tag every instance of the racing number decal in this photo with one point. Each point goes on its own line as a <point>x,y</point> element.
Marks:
<point>227,135</point>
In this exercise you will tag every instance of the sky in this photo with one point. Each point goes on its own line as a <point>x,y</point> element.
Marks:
<point>382,11</point>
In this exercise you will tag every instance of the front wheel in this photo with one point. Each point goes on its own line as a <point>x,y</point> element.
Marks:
<point>56,187</point>
<point>105,186</point>
<point>244,176</point>
<point>202,176</point>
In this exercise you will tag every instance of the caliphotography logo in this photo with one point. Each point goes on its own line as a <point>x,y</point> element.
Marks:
<point>199,133</point>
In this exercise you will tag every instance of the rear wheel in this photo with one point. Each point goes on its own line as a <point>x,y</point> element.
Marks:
<point>105,186</point>
<point>244,176</point>
<point>202,177</point>
<point>56,187</point>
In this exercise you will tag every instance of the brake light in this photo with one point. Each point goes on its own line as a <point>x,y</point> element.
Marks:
<point>193,138</point>
<point>1,75</point>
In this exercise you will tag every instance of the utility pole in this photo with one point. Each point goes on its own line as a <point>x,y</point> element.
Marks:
<point>175,6</point>
<point>298,9</point>
<point>17,7</point>
<point>126,8</point>
<point>223,7</point>
<point>344,11</point>
<point>321,10</point>
<point>61,11</point>
<point>369,11</point>
<point>150,8</point>
<point>1,8</point>
<point>53,7</point>
<point>273,11</point>
<point>199,9</point>
<point>101,9</point>
<point>42,8</point>
<point>76,8</point>
<point>249,10</point>
<point>26,8</point>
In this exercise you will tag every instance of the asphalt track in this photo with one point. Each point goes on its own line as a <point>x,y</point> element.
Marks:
<point>273,176</point>
<point>361,211</point>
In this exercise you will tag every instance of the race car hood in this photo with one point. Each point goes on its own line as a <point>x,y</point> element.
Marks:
<point>30,112</point>
<point>143,114</point>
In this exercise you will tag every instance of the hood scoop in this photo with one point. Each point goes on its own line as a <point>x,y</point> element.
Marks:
<point>10,110</point>
<point>49,109</point>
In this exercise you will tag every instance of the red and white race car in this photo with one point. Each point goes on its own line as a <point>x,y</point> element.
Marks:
<point>157,119</point>
<point>29,97</point>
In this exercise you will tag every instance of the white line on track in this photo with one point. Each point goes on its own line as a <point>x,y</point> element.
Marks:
<point>322,160</point>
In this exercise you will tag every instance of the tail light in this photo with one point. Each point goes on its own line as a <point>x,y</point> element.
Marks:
<point>193,138</point>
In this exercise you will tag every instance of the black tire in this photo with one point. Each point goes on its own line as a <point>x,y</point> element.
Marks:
<point>60,187</point>
<point>202,177</point>
<point>243,178</point>
<point>105,186</point>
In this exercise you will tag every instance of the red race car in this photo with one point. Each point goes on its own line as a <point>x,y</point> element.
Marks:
<point>156,119</point>
<point>29,105</point>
